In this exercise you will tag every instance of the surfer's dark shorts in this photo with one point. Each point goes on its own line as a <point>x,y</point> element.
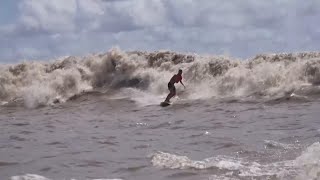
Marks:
<point>171,87</point>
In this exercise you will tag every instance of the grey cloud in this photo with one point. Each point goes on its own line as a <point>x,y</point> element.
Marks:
<point>240,27</point>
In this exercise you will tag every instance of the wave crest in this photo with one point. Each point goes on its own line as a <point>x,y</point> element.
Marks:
<point>268,76</point>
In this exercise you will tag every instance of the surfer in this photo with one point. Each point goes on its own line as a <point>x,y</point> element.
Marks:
<point>175,79</point>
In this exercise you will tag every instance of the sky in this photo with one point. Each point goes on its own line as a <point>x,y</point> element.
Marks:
<point>47,29</point>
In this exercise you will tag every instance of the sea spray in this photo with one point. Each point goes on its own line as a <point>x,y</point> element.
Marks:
<point>267,77</point>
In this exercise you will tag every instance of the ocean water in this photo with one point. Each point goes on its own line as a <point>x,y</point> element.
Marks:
<point>98,117</point>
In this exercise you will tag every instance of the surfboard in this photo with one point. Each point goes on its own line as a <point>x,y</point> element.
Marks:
<point>164,104</point>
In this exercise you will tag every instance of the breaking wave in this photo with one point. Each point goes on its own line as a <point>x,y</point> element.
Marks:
<point>233,167</point>
<point>38,177</point>
<point>306,166</point>
<point>144,76</point>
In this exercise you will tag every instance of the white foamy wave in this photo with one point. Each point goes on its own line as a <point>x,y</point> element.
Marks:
<point>274,144</point>
<point>3,103</point>
<point>29,177</point>
<point>60,86</point>
<point>309,163</point>
<point>242,167</point>
<point>292,76</point>
<point>38,177</point>
<point>306,166</point>
<point>222,177</point>
<point>41,84</point>
<point>142,98</point>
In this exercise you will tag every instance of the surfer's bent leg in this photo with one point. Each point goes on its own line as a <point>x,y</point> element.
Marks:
<point>172,90</point>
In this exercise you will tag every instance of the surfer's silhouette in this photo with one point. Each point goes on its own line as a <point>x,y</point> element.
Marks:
<point>175,79</point>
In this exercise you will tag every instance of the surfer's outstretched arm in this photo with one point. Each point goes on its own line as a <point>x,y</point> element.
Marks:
<point>182,84</point>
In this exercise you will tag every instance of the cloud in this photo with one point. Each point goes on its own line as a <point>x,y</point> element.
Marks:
<point>243,28</point>
<point>48,16</point>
